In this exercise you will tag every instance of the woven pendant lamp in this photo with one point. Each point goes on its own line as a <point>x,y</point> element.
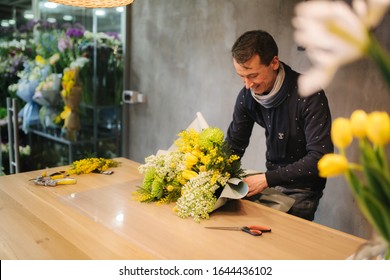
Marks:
<point>94,3</point>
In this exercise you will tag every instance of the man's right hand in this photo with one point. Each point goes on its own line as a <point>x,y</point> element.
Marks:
<point>256,183</point>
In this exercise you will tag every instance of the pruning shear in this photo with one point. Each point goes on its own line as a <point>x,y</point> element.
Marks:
<point>254,230</point>
<point>52,180</point>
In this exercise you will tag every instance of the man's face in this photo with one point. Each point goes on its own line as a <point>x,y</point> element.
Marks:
<point>259,77</point>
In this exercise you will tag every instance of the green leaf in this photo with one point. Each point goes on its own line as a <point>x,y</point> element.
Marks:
<point>377,214</point>
<point>380,183</point>
<point>157,189</point>
<point>354,182</point>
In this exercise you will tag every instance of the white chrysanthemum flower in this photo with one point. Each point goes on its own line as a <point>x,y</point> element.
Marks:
<point>333,35</point>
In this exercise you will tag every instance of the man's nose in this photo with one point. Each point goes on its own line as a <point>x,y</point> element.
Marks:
<point>248,83</point>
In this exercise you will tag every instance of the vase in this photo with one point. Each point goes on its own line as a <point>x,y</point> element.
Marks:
<point>376,248</point>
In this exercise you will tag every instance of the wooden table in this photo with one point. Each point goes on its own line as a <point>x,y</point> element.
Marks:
<point>98,219</point>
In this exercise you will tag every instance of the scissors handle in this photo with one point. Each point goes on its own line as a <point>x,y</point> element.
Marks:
<point>261,228</point>
<point>254,232</point>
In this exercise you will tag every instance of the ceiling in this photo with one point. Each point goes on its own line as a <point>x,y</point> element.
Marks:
<point>14,9</point>
<point>16,3</point>
<point>8,7</point>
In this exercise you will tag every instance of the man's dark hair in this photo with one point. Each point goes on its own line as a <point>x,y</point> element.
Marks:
<point>255,42</point>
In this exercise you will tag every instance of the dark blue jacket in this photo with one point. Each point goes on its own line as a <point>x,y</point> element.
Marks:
<point>297,134</point>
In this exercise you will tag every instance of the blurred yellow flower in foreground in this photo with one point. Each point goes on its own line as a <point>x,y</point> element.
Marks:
<point>332,165</point>
<point>334,34</point>
<point>341,133</point>
<point>371,187</point>
<point>359,123</point>
<point>378,128</point>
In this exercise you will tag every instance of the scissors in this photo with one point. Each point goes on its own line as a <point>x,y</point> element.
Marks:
<point>253,230</point>
<point>52,180</point>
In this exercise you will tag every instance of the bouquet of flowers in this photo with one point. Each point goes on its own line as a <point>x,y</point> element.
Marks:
<point>193,175</point>
<point>47,94</point>
<point>71,94</point>
<point>34,72</point>
<point>333,39</point>
<point>373,191</point>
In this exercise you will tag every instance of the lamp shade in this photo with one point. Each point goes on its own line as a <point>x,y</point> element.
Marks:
<point>94,3</point>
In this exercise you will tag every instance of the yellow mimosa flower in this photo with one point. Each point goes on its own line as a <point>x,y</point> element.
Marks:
<point>378,128</point>
<point>359,123</point>
<point>170,188</point>
<point>341,133</point>
<point>332,165</point>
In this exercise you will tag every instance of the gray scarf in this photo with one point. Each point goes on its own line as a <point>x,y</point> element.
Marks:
<point>272,99</point>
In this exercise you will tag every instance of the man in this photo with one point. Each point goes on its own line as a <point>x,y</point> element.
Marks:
<point>297,129</point>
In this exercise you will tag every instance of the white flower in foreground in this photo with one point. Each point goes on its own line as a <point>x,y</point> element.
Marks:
<point>334,35</point>
<point>371,11</point>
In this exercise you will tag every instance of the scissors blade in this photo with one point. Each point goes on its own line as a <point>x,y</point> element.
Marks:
<point>225,228</point>
<point>245,229</point>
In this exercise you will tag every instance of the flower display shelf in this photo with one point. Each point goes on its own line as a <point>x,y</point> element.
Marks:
<point>102,125</point>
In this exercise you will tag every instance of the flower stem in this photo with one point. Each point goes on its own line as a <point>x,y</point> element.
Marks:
<point>380,57</point>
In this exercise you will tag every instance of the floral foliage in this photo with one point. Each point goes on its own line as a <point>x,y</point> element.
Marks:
<point>89,165</point>
<point>335,34</point>
<point>191,175</point>
<point>41,48</point>
<point>372,192</point>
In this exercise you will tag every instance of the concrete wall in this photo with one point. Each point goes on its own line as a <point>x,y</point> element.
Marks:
<point>180,59</point>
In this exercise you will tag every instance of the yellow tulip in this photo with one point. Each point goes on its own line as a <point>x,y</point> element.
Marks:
<point>341,133</point>
<point>191,160</point>
<point>197,153</point>
<point>359,123</point>
<point>332,165</point>
<point>188,174</point>
<point>378,128</point>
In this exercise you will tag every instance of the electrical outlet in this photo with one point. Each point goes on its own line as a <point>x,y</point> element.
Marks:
<point>133,97</point>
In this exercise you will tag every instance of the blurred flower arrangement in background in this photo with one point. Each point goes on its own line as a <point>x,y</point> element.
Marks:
<point>71,94</point>
<point>24,153</point>
<point>334,34</point>
<point>192,175</point>
<point>40,49</point>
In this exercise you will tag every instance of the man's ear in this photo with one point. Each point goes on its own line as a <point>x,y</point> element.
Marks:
<point>275,63</point>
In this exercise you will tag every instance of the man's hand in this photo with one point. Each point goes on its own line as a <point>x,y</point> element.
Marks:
<point>256,183</point>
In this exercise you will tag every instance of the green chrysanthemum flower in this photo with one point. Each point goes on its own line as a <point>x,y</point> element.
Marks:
<point>209,137</point>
